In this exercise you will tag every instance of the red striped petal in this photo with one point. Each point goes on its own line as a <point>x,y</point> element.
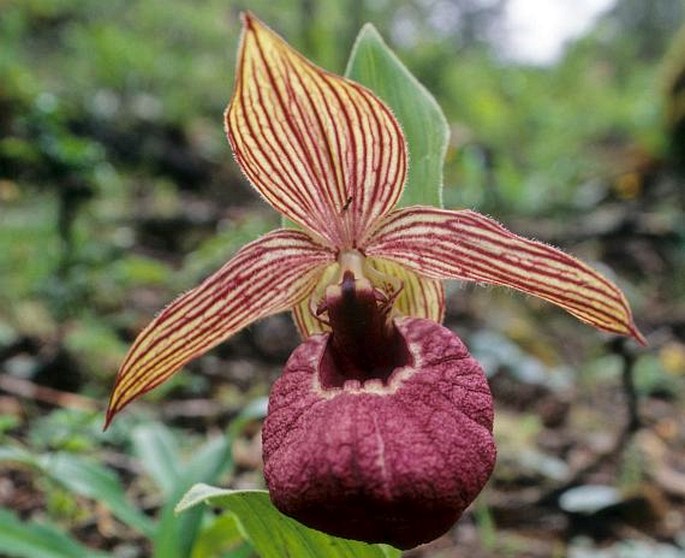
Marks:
<point>465,245</point>
<point>324,151</point>
<point>267,276</point>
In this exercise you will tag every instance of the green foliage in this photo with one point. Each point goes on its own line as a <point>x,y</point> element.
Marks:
<point>219,537</point>
<point>27,242</point>
<point>84,477</point>
<point>128,49</point>
<point>544,132</point>
<point>274,535</point>
<point>66,430</point>
<point>175,536</point>
<point>76,474</point>
<point>31,539</point>
<point>159,452</point>
<point>652,379</point>
<point>87,478</point>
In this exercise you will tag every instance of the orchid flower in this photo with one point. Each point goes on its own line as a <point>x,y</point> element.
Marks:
<point>380,428</point>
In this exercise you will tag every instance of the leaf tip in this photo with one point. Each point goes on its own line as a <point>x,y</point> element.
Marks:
<point>369,29</point>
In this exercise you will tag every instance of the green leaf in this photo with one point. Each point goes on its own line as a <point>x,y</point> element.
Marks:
<point>374,65</point>
<point>209,462</point>
<point>274,535</point>
<point>89,479</point>
<point>85,478</point>
<point>31,539</point>
<point>154,444</point>
<point>254,410</point>
<point>220,537</point>
<point>18,455</point>
<point>175,535</point>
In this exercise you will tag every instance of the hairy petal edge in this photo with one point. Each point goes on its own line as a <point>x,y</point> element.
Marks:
<point>267,276</point>
<point>466,245</point>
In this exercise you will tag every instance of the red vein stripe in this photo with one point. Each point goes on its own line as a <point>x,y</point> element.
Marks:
<point>289,174</point>
<point>200,310</point>
<point>420,297</point>
<point>371,186</point>
<point>346,170</point>
<point>335,147</point>
<point>471,228</point>
<point>311,142</point>
<point>267,138</point>
<point>355,166</point>
<point>465,245</point>
<point>266,276</point>
<point>199,307</point>
<point>298,118</point>
<point>472,236</point>
<point>263,128</point>
<point>471,268</point>
<point>198,334</point>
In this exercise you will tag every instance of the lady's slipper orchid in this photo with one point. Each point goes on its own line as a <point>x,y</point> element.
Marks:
<point>380,428</point>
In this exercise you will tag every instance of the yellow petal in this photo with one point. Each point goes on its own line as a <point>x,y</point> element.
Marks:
<point>303,313</point>
<point>420,297</point>
<point>324,151</point>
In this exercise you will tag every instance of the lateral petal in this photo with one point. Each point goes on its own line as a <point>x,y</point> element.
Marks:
<point>323,150</point>
<point>466,245</point>
<point>266,276</point>
<point>303,313</point>
<point>420,297</point>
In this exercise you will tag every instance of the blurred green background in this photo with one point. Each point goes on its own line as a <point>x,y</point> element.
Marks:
<point>118,191</point>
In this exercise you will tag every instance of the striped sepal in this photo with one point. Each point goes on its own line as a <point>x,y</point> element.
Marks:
<point>420,297</point>
<point>465,245</point>
<point>324,151</point>
<point>267,276</point>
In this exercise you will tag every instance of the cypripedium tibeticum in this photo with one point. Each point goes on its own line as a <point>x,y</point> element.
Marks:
<point>380,428</point>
